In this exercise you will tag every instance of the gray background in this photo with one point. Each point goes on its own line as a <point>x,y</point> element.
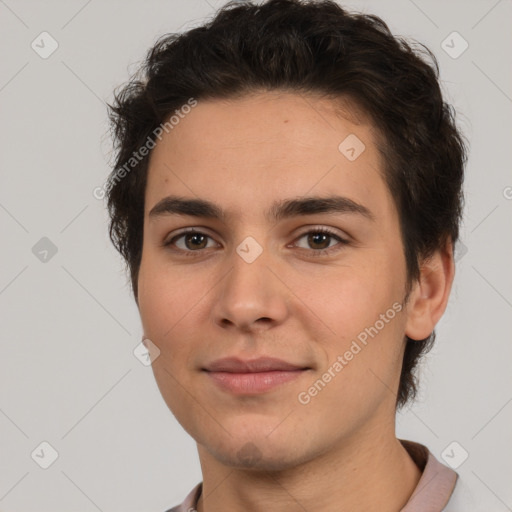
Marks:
<point>69,325</point>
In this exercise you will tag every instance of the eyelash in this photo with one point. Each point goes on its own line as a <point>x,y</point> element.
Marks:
<point>314,253</point>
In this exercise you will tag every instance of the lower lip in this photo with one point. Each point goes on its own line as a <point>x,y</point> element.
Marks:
<point>253,383</point>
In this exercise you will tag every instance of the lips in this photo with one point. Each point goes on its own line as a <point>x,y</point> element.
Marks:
<point>254,376</point>
<point>262,364</point>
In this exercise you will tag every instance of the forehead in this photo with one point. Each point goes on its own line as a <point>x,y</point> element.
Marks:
<point>269,118</point>
<point>244,150</point>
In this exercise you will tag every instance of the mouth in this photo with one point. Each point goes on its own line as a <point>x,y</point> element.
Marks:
<point>254,376</point>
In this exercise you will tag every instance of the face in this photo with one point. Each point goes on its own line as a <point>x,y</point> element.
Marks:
<point>316,284</point>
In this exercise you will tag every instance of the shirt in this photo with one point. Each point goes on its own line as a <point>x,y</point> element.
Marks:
<point>438,489</point>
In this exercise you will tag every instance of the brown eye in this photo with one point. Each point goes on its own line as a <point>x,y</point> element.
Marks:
<point>195,240</point>
<point>189,242</point>
<point>319,240</point>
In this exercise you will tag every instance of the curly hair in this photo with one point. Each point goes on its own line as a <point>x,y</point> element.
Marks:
<point>314,47</point>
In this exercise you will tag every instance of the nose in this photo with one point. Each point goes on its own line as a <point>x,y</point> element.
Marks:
<point>252,296</point>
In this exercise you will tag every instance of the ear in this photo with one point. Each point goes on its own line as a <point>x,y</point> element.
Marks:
<point>429,296</point>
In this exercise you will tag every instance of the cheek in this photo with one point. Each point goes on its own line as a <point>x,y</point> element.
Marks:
<point>360,366</point>
<point>170,305</point>
<point>164,297</point>
<point>165,312</point>
<point>363,314</point>
<point>356,296</point>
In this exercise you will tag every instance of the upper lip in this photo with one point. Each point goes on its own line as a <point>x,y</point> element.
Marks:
<point>261,364</point>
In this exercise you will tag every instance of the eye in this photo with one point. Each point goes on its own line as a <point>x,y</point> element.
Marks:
<point>193,241</point>
<point>319,239</point>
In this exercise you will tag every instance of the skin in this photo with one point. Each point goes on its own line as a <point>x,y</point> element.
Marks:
<point>339,451</point>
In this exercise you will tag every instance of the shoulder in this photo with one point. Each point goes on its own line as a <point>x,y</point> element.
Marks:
<point>190,502</point>
<point>464,498</point>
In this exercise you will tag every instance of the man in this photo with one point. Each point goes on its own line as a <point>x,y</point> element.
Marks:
<point>287,194</point>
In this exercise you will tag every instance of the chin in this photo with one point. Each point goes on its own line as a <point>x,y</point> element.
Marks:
<point>251,457</point>
<point>259,452</point>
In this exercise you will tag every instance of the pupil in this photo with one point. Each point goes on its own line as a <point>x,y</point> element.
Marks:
<point>195,237</point>
<point>319,235</point>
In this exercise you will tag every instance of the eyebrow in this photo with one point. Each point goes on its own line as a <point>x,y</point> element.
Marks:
<point>175,205</point>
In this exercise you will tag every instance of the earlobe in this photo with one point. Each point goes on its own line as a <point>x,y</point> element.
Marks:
<point>430,294</point>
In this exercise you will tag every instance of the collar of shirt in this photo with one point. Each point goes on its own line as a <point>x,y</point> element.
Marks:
<point>432,493</point>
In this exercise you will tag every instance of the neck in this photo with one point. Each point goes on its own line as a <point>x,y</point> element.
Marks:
<point>375,475</point>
